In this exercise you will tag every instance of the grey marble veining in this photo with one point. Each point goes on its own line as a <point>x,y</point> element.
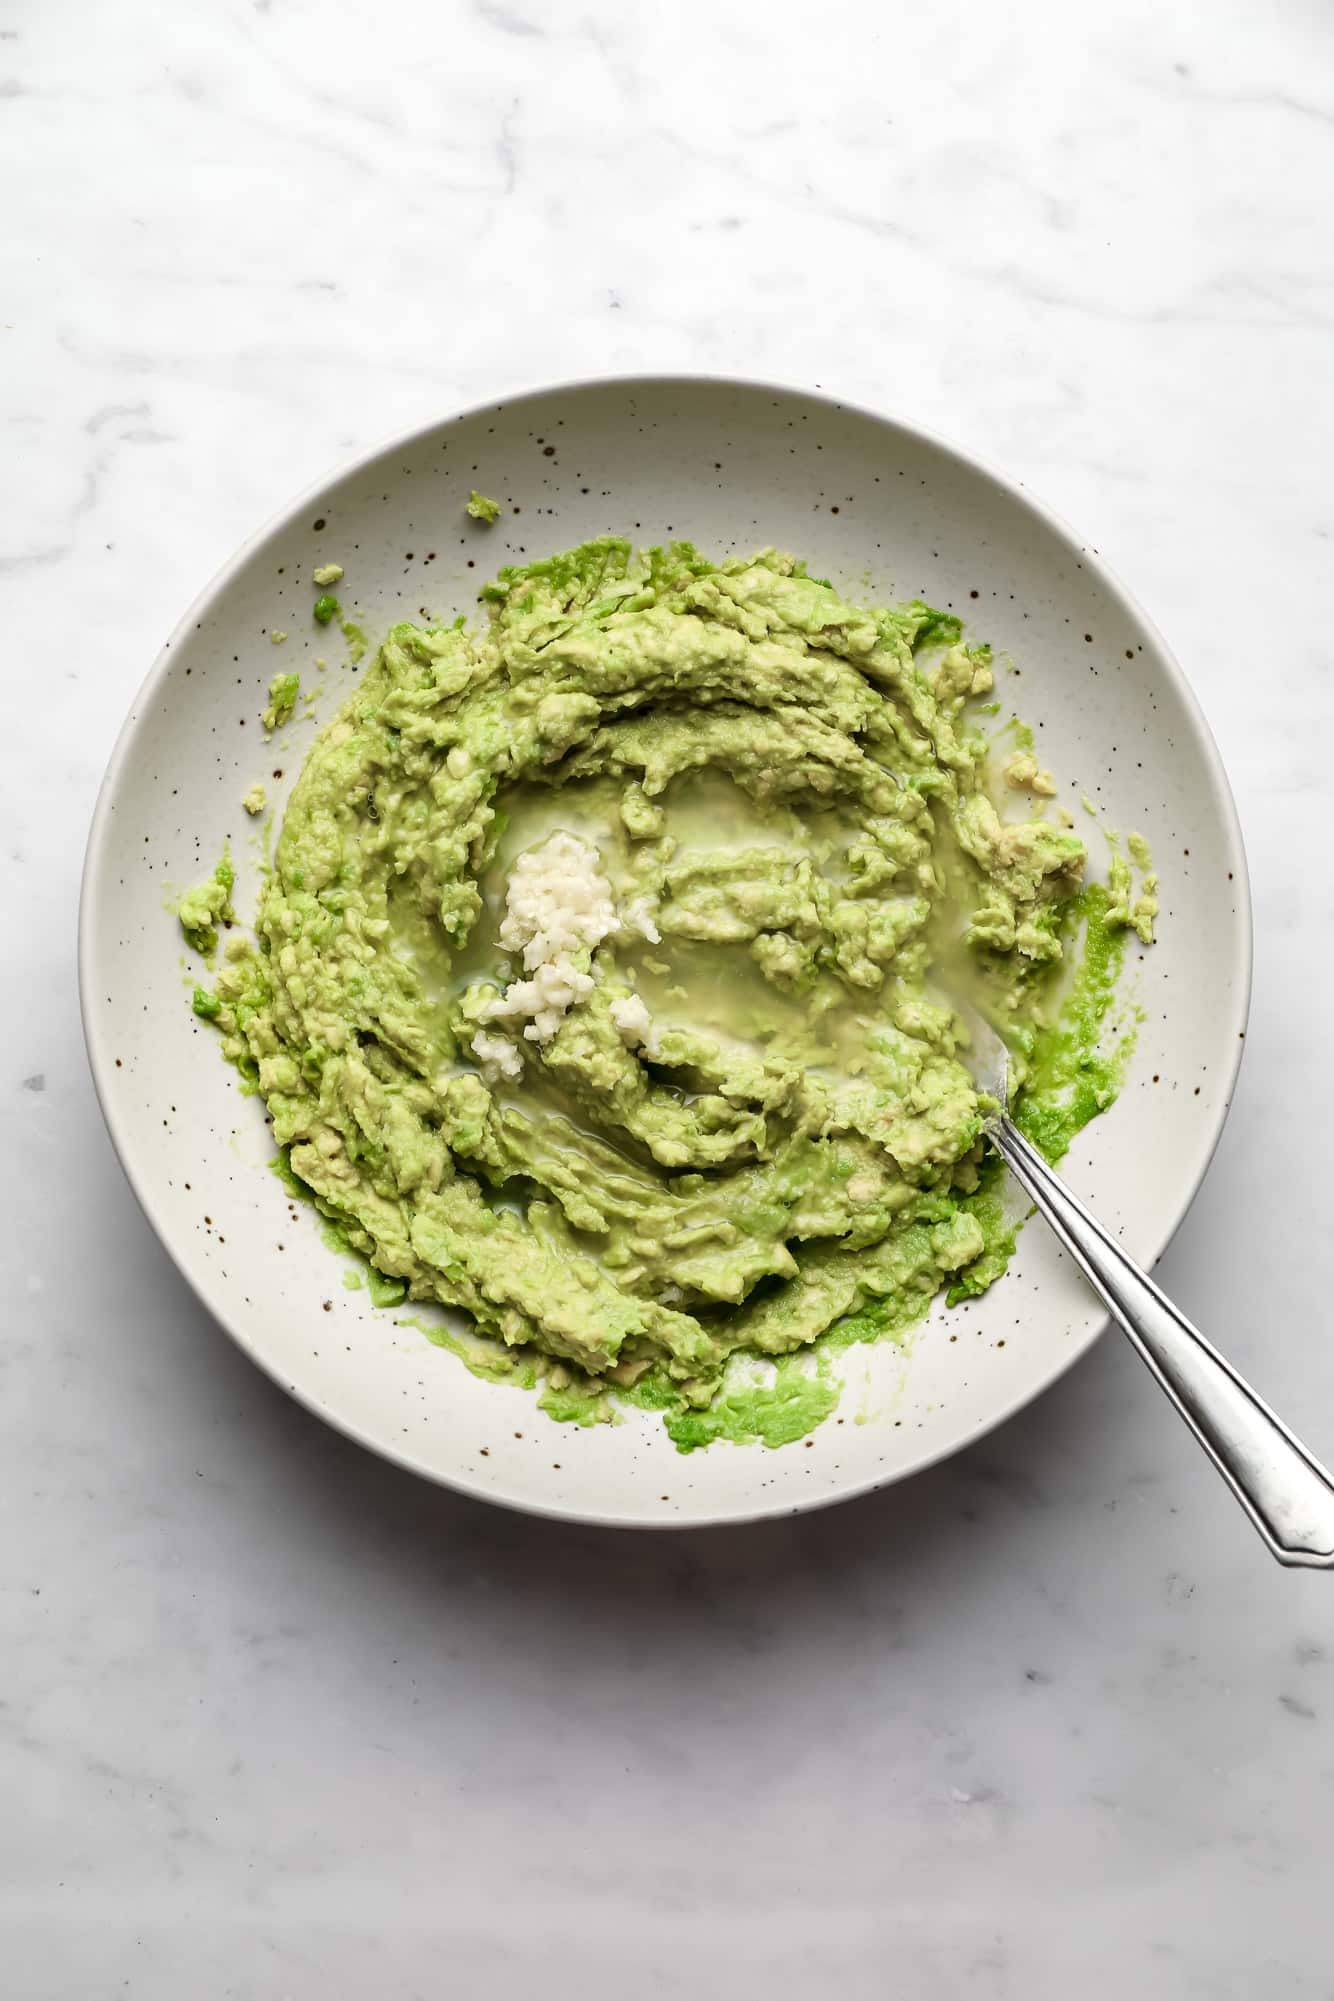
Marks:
<point>278,1721</point>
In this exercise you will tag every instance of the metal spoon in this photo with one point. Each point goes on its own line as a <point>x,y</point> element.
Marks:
<point>1286,1492</point>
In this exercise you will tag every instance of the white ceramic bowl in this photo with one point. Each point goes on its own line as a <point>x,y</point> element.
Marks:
<point>884,511</point>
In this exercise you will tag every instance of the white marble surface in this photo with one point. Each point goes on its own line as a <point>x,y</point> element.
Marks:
<point>278,1721</point>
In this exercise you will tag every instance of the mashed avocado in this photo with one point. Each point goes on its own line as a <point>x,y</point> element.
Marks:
<point>202,909</point>
<point>591,987</point>
<point>283,691</point>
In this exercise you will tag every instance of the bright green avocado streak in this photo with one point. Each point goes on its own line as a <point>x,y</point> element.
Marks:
<point>802,1395</point>
<point>1073,1075</point>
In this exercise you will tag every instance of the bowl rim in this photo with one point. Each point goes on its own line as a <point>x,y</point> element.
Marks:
<point>398,441</point>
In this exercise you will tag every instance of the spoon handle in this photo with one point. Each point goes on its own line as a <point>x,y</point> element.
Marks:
<point>1285,1491</point>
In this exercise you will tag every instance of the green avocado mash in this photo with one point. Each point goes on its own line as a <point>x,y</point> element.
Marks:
<point>482,509</point>
<point>283,691</point>
<point>202,909</point>
<point>592,988</point>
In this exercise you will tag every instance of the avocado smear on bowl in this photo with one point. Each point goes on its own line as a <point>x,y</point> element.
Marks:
<point>593,988</point>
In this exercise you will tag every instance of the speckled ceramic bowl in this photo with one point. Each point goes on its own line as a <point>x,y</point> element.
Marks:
<point>884,511</point>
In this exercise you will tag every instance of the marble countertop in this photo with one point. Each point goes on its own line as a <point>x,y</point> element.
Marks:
<point>276,1720</point>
